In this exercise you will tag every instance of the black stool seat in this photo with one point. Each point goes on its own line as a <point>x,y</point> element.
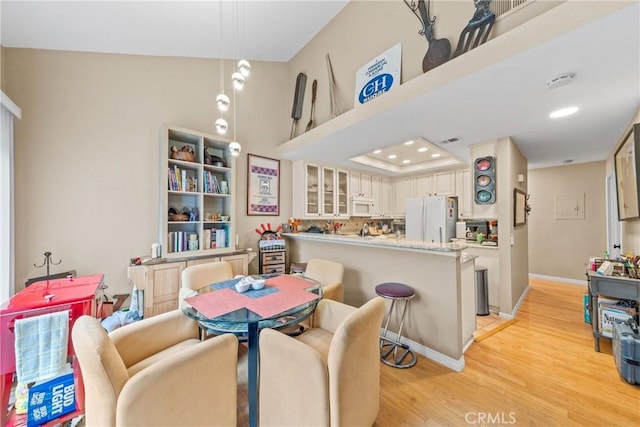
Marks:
<point>394,290</point>
<point>392,351</point>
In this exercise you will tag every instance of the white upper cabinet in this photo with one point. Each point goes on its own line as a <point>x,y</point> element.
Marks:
<point>360,184</point>
<point>319,191</point>
<point>463,191</point>
<point>422,186</point>
<point>401,192</point>
<point>444,183</point>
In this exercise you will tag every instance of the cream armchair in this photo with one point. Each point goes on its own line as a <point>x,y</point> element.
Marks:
<point>329,375</point>
<point>199,276</point>
<point>156,372</point>
<point>330,274</point>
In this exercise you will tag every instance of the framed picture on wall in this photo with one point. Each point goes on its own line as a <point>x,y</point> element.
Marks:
<point>626,164</point>
<point>263,186</point>
<point>519,207</point>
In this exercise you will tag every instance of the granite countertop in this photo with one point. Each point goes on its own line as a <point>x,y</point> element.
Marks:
<point>472,244</point>
<point>385,241</point>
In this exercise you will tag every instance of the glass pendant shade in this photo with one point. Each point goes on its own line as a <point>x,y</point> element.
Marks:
<point>221,126</point>
<point>223,102</point>
<point>244,67</point>
<point>235,148</point>
<point>238,80</point>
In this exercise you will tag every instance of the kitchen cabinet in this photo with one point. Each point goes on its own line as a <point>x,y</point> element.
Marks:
<point>386,197</point>
<point>444,183</point>
<point>334,193</point>
<point>361,184</point>
<point>382,196</point>
<point>161,282</point>
<point>402,191</point>
<point>319,191</point>
<point>463,191</point>
<point>422,186</point>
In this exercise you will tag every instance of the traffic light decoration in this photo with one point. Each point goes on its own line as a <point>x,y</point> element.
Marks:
<point>484,182</point>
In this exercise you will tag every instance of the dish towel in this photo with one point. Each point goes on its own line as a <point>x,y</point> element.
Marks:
<point>41,346</point>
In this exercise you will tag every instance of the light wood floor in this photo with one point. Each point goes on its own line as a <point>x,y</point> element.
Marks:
<point>541,370</point>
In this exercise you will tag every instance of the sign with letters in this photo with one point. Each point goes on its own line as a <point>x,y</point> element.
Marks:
<point>378,76</point>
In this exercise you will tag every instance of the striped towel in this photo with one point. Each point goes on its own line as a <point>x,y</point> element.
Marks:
<point>41,346</point>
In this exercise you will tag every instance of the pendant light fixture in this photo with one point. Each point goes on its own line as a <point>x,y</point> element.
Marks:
<point>234,147</point>
<point>222,100</point>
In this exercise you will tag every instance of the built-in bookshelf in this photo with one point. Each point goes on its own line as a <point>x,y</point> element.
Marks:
<point>197,190</point>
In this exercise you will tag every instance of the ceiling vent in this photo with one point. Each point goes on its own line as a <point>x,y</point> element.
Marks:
<point>561,80</point>
<point>450,140</point>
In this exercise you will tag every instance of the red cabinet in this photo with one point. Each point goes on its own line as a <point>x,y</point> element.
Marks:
<point>78,296</point>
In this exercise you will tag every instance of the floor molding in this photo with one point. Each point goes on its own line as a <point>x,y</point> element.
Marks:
<point>559,279</point>
<point>493,328</point>
<point>429,353</point>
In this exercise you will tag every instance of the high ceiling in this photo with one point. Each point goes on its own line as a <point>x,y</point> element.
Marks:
<point>509,98</point>
<point>266,30</point>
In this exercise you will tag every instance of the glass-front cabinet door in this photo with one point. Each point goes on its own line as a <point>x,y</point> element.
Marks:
<point>342,193</point>
<point>312,195</point>
<point>329,185</point>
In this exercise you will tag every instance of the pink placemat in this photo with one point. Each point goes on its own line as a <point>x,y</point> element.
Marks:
<point>214,304</point>
<point>279,302</point>
<point>286,282</point>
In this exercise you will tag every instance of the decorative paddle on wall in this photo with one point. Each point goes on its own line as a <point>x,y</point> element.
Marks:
<point>439,50</point>
<point>477,30</point>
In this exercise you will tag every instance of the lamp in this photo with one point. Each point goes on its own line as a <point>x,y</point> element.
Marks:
<point>222,100</point>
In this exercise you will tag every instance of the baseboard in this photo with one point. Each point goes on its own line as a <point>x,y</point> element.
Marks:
<point>559,279</point>
<point>429,353</point>
<point>513,314</point>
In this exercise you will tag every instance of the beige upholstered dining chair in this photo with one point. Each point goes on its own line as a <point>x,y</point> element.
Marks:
<point>329,375</point>
<point>156,372</point>
<point>330,274</point>
<point>198,276</point>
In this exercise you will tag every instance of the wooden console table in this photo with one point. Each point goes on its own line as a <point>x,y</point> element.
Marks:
<point>613,286</point>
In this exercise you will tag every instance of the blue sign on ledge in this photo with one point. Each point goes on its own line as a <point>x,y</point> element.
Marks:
<point>51,399</point>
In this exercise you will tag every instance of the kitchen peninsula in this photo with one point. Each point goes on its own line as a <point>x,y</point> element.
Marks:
<point>441,319</point>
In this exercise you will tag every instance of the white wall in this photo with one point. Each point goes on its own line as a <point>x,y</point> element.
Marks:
<point>562,247</point>
<point>87,150</point>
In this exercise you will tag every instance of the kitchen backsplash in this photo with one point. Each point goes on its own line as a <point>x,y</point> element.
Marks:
<point>346,226</point>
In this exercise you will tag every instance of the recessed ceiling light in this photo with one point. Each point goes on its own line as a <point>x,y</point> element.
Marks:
<point>435,155</point>
<point>563,112</point>
<point>409,142</point>
<point>392,156</point>
<point>378,151</point>
<point>422,149</point>
<point>406,161</point>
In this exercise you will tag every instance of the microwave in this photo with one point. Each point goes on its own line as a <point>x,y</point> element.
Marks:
<point>362,206</point>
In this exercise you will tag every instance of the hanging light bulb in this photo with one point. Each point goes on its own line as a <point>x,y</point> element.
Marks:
<point>223,102</point>
<point>221,126</point>
<point>235,148</point>
<point>238,80</point>
<point>244,67</point>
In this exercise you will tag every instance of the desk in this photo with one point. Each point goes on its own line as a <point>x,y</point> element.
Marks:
<point>78,295</point>
<point>613,286</point>
<point>285,300</point>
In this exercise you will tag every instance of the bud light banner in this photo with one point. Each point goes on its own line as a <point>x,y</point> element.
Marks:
<point>380,75</point>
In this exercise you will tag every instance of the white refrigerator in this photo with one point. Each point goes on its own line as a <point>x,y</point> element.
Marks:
<point>432,218</point>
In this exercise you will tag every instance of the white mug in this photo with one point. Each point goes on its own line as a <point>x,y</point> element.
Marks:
<point>156,250</point>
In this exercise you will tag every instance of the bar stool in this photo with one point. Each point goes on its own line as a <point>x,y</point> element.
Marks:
<point>393,352</point>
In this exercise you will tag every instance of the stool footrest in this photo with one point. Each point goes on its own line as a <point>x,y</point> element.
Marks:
<point>393,353</point>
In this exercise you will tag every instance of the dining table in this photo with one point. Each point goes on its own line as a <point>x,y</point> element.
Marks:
<point>281,301</point>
